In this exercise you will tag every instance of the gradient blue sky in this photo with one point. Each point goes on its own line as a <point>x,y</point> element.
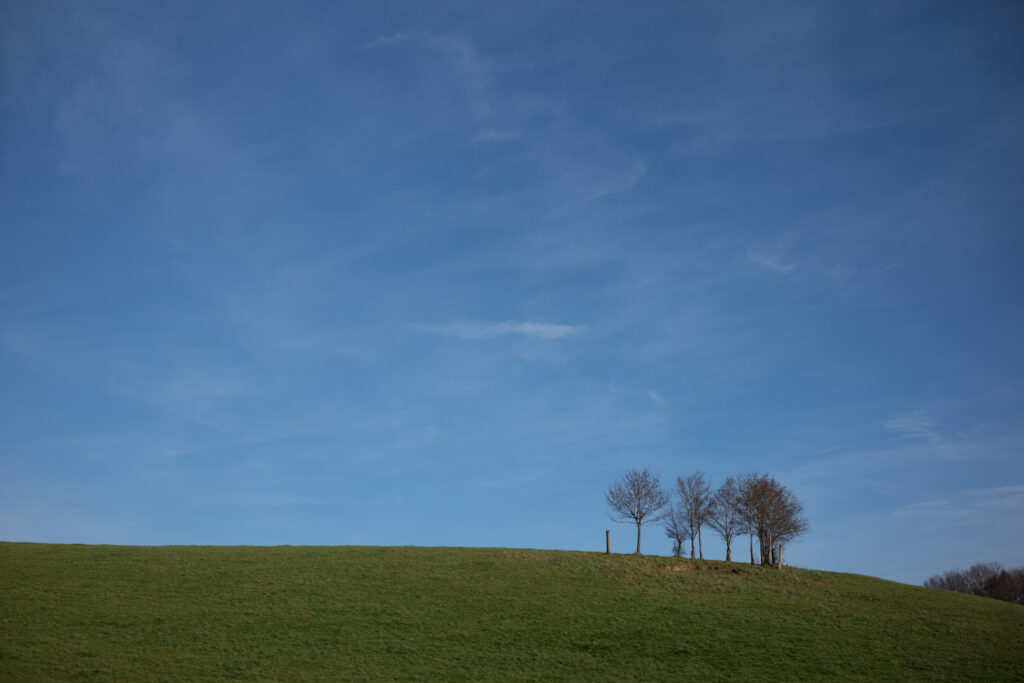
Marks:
<point>437,273</point>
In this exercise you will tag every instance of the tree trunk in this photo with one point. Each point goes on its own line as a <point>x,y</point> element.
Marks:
<point>693,553</point>
<point>637,539</point>
<point>728,552</point>
<point>751,547</point>
<point>780,557</point>
<point>700,543</point>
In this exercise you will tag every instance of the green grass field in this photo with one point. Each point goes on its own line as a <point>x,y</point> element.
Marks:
<point>360,613</point>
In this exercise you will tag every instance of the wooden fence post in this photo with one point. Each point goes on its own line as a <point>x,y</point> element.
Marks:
<point>607,542</point>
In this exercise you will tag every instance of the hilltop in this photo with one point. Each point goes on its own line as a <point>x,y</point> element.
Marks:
<point>195,613</point>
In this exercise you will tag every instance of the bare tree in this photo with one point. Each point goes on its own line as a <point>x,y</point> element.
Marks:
<point>1007,584</point>
<point>695,504</point>
<point>786,524</point>
<point>726,514</point>
<point>954,580</point>
<point>987,579</point>
<point>773,513</point>
<point>638,498</point>
<point>747,509</point>
<point>676,529</point>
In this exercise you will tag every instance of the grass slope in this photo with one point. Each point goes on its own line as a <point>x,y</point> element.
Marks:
<point>201,613</point>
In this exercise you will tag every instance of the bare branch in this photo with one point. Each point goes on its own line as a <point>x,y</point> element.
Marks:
<point>638,498</point>
<point>987,579</point>
<point>773,513</point>
<point>695,505</point>
<point>677,529</point>
<point>726,515</point>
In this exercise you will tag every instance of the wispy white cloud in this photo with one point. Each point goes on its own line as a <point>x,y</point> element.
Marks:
<point>924,506</point>
<point>255,499</point>
<point>771,262</point>
<point>194,385</point>
<point>386,40</point>
<point>199,391</point>
<point>574,162</point>
<point>916,443</point>
<point>913,426</point>
<point>473,72</point>
<point>922,431</point>
<point>972,504</point>
<point>490,330</point>
<point>1000,498</point>
<point>470,69</point>
<point>581,168</point>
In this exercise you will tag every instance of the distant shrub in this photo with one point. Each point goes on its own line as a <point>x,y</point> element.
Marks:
<point>987,579</point>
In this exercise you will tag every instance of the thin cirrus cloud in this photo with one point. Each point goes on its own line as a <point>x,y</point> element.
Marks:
<point>470,69</point>
<point>770,262</point>
<point>972,504</point>
<point>913,426</point>
<point>491,330</point>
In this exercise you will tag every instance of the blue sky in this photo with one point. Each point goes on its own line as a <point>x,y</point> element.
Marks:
<point>437,273</point>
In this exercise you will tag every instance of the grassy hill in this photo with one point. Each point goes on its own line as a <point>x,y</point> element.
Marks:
<point>350,613</point>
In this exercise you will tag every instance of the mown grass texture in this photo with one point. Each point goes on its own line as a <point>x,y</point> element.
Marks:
<point>382,613</point>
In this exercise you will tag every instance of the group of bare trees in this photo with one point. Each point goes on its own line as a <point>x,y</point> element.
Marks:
<point>752,504</point>
<point>987,579</point>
